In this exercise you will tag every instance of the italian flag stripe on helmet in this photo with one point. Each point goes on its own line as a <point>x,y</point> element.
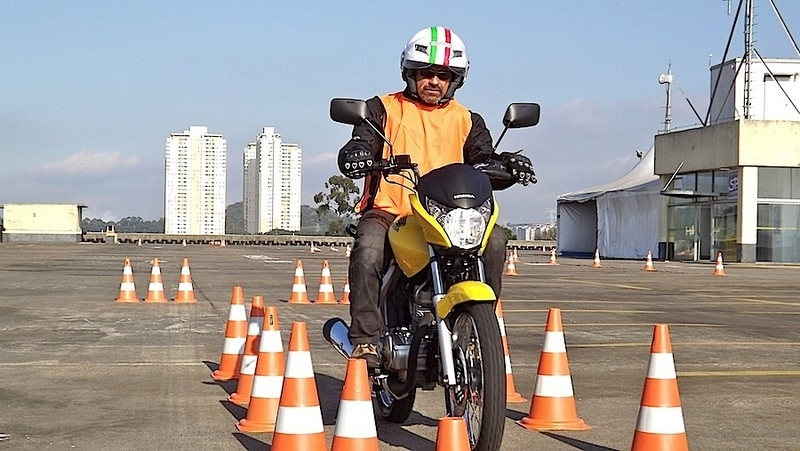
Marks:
<point>435,57</point>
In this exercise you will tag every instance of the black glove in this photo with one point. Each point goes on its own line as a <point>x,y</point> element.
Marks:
<point>519,166</point>
<point>353,162</point>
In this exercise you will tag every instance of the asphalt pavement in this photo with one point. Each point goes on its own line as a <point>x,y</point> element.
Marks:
<point>81,371</point>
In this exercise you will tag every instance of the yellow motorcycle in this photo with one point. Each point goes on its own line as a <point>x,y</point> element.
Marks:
<point>439,313</point>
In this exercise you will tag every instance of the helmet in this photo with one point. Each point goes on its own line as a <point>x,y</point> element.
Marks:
<point>435,46</point>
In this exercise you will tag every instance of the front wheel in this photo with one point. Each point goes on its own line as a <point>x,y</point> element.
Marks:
<point>479,394</point>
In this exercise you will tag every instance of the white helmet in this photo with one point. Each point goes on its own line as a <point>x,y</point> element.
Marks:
<point>435,46</point>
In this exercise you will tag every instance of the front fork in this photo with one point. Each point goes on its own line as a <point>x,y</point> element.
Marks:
<point>444,333</point>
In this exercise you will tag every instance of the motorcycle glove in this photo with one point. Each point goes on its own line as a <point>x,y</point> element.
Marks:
<point>519,166</point>
<point>354,162</point>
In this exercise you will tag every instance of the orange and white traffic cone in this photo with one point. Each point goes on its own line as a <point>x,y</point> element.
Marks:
<point>299,293</point>
<point>719,269</point>
<point>265,394</point>
<point>660,422</point>
<point>325,294</point>
<point>553,404</point>
<point>346,292</point>
<point>452,434</point>
<point>511,390</point>
<point>299,421</point>
<point>553,260</point>
<point>355,422</point>
<point>127,288</point>
<point>511,268</point>
<point>247,370</point>
<point>185,288</point>
<point>235,337</point>
<point>347,251</point>
<point>516,256</point>
<point>155,290</point>
<point>596,261</point>
<point>648,264</point>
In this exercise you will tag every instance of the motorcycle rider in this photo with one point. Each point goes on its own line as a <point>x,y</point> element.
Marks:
<point>427,123</point>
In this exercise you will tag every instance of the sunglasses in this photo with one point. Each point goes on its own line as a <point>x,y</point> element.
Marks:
<point>442,74</point>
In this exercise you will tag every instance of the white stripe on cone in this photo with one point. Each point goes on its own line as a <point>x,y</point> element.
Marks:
<point>553,386</point>
<point>299,420</point>
<point>349,408</point>
<point>301,367</point>
<point>660,420</point>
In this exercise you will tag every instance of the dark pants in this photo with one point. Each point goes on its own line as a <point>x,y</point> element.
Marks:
<point>370,257</point>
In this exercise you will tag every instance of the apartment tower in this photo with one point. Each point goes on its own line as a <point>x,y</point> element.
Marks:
<point>271,184</point>
<point>194,195</point>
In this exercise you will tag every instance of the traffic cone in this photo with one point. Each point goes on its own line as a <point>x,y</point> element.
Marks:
<point>265,394</point>
<point>346,292</point>
<point>155,290</point>
<point>596,261</point>
<point>553,404</point>
<point>511,268</point>
<point>333,248</point>
<point>719,269</point>
<point>247,369</point>
<point>140,241</point>
<point>511,390</point>
<point>235,337</point>
<point>660,422</point>
<point>347,251</point>
<point>355,422</point>
<point>299,421</point>
<point>127,289</point>
<point>185,289</point>
<point>299,294</point>
<point>553,260</point>
<point>183,244</point>
<point>325,294</point>
<point>452,435</point>
<point>648,264</point>
<point>516,256</point>
<point>312,249</point>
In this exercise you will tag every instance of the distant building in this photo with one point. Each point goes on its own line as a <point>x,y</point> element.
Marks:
<point>195,174</point>
<point>272,177</point>
<point>42,223</point>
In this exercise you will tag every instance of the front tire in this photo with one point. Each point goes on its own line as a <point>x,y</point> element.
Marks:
<point>480,391</point>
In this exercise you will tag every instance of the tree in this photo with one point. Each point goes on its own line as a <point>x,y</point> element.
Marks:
<point>340,198</point>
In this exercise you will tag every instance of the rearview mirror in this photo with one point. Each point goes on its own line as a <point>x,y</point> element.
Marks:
<point>519,115</point>
<point>348,111</point>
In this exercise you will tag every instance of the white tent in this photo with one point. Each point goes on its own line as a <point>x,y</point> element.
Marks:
<point>620,218</point>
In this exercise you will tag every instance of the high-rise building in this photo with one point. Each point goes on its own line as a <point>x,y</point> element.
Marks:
<point>272,177</point>
<point>194,195</point>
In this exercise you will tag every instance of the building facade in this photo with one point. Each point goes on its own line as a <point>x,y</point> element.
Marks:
<point>272,180</point>
<point>195,175</point>
<point>733,186</point>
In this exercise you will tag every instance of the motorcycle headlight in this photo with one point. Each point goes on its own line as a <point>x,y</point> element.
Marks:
<point>464,226</point>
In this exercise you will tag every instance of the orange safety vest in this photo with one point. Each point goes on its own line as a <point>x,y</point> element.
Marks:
<point>433,136</point>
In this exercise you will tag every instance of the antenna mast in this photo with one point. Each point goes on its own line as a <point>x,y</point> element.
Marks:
<point>748,54</point>
<point>666,79</point>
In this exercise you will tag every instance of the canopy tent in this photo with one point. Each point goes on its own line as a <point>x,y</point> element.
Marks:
<point>620,219</point>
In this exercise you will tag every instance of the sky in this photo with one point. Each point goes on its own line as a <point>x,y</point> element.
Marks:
<point>90,90</point>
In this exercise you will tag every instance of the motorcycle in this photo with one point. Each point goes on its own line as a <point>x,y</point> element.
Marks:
<point>439,317</point>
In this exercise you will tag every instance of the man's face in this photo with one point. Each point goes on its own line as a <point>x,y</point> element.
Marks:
<point>432,83</point>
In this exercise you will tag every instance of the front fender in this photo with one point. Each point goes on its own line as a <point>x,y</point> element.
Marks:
<point>467,291</point>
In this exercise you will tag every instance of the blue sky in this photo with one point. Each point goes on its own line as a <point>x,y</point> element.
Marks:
<point>89,90</point>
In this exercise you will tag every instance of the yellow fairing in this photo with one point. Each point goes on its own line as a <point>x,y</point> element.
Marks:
<point>466,291</point>
<point>408,245</point>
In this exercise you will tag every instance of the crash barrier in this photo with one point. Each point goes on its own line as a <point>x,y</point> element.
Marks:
<point>323,243</point>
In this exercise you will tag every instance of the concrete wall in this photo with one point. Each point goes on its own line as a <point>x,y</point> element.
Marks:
<point>57,223</point>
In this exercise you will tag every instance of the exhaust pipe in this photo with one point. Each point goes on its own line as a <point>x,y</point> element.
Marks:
<point>336,332</point>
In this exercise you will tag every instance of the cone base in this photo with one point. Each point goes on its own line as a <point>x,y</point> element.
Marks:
<point>326,301</point>
<point>127,300</point>
<point>299,301</point>
<point>239,400</point>
<point>514,397</point>
<point>186,301</point>
<point>156,301</point>
<point>246,425</point>
<point>651,441</point>
<point>576,424</point>
<point>224,377</point>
